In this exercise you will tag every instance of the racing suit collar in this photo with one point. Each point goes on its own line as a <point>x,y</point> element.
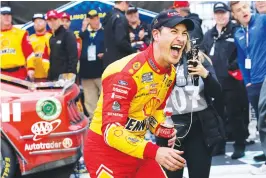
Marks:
<point>152,62</point>
<point>7,29</point>
<point>41,34</point>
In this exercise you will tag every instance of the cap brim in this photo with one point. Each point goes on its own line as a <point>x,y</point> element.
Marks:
<point>68,18</point>
<point>52,17</point>
<point>6,13</point>
<point>91,16</point>
<point>220,9</point>
<point>37,18</point>
<point>131,11</point>
<point>187,22</point>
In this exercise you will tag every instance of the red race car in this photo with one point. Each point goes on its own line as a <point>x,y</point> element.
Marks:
<point>42,125</point>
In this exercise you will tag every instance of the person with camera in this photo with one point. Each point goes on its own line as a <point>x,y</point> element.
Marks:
<point>134,92</point>
<point>197,123</point>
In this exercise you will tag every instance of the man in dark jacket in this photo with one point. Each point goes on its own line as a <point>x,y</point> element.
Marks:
<point>218,44</point>
<point>138,31</point>
<point>63,45</point>
<point>116,34</point>
<point>182,7</point>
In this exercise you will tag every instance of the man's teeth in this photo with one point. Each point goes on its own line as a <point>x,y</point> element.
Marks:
<point>177,46</point>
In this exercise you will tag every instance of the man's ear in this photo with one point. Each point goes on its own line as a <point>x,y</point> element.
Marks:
<point>155,34</point>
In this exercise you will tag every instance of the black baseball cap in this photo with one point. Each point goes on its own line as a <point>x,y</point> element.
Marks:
<point>38,16</point>
<point>220,6</point>
<point>5,10</point>
<point>92,13</point>
<point>170,18</point>
<point>132,9</point>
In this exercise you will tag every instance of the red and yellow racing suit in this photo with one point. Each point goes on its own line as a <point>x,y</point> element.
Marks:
<point>133,97</point>
<point>16,53</point>
<point>40,45</point>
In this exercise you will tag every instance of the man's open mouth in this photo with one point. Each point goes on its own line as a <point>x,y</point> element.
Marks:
<point>175,49</point>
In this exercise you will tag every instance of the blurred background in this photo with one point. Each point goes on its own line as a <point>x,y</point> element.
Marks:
<point>23,10</point>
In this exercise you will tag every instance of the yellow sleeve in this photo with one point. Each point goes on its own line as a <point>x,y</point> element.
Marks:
<point>28,52</point>
<point>121,139</point>
<point>115,116</point>
<point>155,120</point>
<point>31,63</point>
<point>45,59</point>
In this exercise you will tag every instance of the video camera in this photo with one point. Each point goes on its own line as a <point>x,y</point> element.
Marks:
<point>193,57</point>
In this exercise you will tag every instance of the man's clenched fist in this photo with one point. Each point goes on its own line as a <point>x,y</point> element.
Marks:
<point>31,74</point>
<point>170,158</point>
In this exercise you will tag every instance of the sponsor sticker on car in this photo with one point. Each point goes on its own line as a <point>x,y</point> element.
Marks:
<point>44,128</point>
<point>16,112</point>
<point>66,143</point>
<point>48,108</point>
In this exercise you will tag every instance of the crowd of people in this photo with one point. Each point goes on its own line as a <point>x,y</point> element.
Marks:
<point>134,74</point>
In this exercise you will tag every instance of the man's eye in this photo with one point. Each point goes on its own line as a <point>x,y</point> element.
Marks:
<point>174,31</point>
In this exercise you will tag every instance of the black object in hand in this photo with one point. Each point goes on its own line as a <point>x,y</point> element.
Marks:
<point>162,142</point>
<point>193,63</point>
<point>193,57</point>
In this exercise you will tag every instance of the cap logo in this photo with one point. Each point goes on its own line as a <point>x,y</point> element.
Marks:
<point>131,8</point>
<point>52,13</point>
<point>92,12</point>
<point>171,14</point>
<point>38,16</point>
<point>5,9</point>
<point>219,5</point>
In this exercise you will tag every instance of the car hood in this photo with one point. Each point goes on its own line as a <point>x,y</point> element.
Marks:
<point>10,92</point>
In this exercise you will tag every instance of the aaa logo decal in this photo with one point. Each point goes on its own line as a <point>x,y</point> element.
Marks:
<point>43,128</point>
